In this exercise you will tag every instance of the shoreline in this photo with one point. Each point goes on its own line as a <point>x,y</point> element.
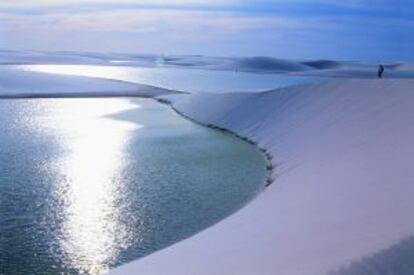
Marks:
<point>270,166</point>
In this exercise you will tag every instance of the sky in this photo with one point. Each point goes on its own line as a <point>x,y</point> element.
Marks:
<point>295,29</point>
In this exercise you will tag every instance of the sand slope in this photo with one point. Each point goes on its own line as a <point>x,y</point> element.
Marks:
<point>343,187</point>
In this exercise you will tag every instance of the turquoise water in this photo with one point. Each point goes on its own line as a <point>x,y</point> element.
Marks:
<point>88,184</point>
<point>189,80</point>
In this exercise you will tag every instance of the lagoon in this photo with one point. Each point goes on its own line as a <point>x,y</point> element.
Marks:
<point>187,80</point>
<point>89,184</point>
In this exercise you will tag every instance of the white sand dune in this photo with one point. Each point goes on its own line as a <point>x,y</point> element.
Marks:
<point>15,83</point>
<point>343,184</point>
<point>38,57</point>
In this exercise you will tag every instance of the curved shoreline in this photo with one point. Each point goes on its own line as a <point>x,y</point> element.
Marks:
<point>270,166</point>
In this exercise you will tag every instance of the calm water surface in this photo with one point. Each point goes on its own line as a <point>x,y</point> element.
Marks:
<point>189,80</point>
<point>87,184</point>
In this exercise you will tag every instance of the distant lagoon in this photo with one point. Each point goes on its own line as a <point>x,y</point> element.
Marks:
<point>188,80</point>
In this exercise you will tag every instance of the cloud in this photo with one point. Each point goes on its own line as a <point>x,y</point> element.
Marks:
<point>148,30</point>
<point>359,4</point>
<point>284,28</point>
<point>140,21</point>
<point>54,3</point>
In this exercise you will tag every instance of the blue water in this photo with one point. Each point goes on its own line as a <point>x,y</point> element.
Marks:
<point>88,184</point>
<point>189,80</point>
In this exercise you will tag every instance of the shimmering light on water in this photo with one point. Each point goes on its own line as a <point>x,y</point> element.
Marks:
<point>92,231</point>
<point>87,184</point>
<point>110,72</point>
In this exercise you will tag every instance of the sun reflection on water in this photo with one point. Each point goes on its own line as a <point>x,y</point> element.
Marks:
<point>101,71</point>
<point>83,191</point>
<point>92,233</point>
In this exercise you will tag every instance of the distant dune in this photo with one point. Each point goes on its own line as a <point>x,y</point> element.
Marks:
<point>322,64</point>
<point>332,68</point>
<point>266,64</point>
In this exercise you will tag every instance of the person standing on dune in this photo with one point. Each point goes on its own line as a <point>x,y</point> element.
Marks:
<point>380,70</point>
